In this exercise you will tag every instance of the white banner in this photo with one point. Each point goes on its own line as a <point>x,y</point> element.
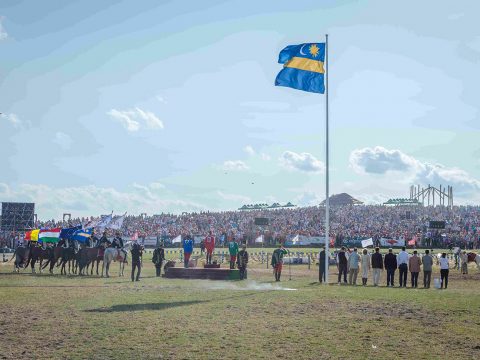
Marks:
<point>259,239</point>
<point>307,240</point>
<point>392,242</point>
<point>116,223</point>
<point>177,240</point>
<point>367,242</point>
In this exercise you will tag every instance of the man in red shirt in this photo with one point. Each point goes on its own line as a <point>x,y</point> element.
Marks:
<point>209,246</point>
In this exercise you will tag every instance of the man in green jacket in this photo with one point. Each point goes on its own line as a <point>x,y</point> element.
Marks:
<point>277,261</point>
<point>233,250</point>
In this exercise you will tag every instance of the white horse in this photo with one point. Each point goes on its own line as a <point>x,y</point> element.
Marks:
<point>112,254</point>
<point>477,261</point>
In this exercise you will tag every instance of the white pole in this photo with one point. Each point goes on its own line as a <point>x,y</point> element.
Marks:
<point>327,195</point>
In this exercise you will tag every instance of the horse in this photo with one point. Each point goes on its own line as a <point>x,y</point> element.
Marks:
<point>114,254</point>
<point>68,256</point>
<point>57,255</point>
<point>472,257</point>
<point>38,253</point>
<point>86,257</point>
<point>21,256</point>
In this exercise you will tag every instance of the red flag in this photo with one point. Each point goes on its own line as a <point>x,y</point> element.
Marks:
<point>412,242</point>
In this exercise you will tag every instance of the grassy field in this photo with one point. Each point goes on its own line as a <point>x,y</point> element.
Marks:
<point>49,317</point>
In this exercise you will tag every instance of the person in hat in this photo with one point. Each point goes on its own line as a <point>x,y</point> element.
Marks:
<point>158,257</point>
<point>242,261</point>
<point>277,261</point>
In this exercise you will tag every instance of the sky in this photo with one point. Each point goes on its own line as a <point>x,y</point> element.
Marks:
<point>170,106</point>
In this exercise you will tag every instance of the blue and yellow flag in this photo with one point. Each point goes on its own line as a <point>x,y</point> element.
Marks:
<point>303,67</point>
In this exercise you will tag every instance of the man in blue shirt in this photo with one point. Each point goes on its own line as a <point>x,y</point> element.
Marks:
<point>187,250</point>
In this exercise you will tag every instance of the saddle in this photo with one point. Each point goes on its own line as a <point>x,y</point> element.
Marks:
<point>119,256</point>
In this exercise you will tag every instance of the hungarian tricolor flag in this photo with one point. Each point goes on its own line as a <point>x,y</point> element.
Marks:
<point>49,236</point>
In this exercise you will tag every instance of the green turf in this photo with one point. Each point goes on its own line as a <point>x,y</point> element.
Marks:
<point>46,316</point>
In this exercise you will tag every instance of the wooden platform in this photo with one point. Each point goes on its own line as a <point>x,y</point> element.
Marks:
<point>201,273</point>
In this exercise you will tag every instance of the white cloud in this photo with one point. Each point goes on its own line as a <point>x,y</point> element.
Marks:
<point>265,157</point>
<point>303,162</point>
<point>235,165</point>
<point>157,186</point>
<point>161,99</point>
<point>382,161</point>
<point>236,198</point>
<point>13,119</point>
<point>64,140</point>
<point>52,202</point>
<point>126,119</point>
<point>152,121</point>
<point>134,120</point>
<point>3,33</point>
<point>308,198</point>
<point>249,150</point>
<point>379,160</point>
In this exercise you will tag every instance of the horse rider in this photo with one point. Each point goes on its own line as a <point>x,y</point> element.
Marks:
<point>104,240</point>
<point>117,243</point>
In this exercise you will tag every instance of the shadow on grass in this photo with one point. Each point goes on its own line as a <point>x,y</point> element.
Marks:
<point>159,306</point>
<point>148,306</point>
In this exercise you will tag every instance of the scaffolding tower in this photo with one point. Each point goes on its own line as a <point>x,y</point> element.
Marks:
<point>427,196</point>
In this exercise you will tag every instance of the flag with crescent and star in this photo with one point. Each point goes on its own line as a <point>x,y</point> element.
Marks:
<point>303,67</point>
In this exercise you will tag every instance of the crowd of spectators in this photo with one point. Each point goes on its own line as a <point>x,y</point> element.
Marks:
<point>347,222</point>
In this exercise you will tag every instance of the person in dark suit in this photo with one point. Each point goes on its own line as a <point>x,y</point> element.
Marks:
<point>158,258</point>
<point>390,263</point>
<point>137,252</point>
<point>321,263</point>
<point>377,266</point>
<point>242,261</point>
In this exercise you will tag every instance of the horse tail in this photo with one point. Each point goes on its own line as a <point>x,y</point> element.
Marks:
<point>29,258</point>
<point>14,254</point>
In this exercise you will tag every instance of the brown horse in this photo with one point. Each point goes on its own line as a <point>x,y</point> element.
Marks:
<point>57,255</point>
<point>36,254</point>
<point>85,258</point>
<point>21,256</point>
<point>68,256</point>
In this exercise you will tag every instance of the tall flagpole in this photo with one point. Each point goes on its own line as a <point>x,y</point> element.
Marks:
<point>327,195</point>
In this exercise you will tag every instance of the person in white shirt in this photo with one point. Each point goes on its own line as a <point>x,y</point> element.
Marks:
<point>402,262</point>
<point>444,270</point>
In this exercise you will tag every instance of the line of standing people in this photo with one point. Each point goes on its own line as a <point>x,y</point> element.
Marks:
<point>350,264</point>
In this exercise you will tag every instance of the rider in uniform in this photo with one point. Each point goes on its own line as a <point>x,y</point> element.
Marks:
<point>117,243</point>
<point>104,240</point>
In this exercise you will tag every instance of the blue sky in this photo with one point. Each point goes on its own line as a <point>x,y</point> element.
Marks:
<point>170,106</point>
